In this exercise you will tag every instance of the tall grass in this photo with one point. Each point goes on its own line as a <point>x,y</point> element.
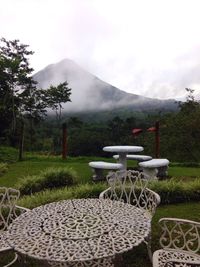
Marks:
<point>3,168</point>
<point>8,154</point>
<point>48,196</point>
<point>175,191</point>
<point>171,192</point>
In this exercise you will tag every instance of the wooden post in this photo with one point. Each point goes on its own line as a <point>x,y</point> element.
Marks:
<point>157,139</point>
<point>64,141</point>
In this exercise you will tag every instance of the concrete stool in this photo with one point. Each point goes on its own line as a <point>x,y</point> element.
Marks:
<point>151,167</point>
<point>100,166</point>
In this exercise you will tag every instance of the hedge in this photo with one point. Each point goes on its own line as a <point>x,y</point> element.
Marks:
<point>171,191</point>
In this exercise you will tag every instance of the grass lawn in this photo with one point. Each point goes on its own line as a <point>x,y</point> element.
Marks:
<point>33,165</point>
<point>138,257</point>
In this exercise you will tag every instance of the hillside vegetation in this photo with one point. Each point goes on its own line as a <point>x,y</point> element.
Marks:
<point>179,134</point>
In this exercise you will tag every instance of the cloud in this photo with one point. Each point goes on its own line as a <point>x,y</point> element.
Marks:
<point>144,47</point>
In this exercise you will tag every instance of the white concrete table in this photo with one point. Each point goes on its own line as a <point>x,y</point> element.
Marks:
<point>123,151</point>
<point>79,232</point>
<point>150,167</point>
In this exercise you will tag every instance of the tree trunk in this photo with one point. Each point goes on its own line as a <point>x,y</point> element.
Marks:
<point>64,141</point>
<point>21,142</point>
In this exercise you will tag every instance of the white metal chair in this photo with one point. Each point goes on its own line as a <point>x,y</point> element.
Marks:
<point>131,187</point>
<point>8,212</point>
<point>180,243</point>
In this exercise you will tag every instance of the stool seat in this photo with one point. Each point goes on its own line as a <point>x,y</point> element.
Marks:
<point>105,165</point>
<point>154,163</point>
<point>99,167</point>
<point>155,167</point>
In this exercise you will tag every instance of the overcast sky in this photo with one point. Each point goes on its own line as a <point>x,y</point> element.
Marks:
<point>147,47</point>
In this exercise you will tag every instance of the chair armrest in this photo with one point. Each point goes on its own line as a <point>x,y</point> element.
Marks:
<point>176,263</point>
<point>152,200</point>
<point>103,193</point>
<point>157,197</point>
<point>23,209</point>
<point>179,220</point>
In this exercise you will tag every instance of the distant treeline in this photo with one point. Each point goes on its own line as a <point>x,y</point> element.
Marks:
<point>179,134</point>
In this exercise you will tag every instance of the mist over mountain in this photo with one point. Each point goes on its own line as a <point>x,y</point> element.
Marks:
<point>89,93</point>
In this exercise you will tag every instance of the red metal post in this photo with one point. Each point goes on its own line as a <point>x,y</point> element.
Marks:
<point>136,132</point>
<point>64,141</point>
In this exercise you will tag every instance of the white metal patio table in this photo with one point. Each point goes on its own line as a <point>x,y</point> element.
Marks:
<point>79,232</point>
<point>123,151</point>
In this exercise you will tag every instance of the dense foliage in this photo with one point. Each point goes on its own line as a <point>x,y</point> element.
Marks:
<point>3,168</point>
<point>179,134</point>
<point>22,104</point>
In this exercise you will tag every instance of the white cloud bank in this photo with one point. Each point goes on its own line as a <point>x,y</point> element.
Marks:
<point>147,47</point>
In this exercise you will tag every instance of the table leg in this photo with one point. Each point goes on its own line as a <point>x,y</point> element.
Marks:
<point>123,160</point>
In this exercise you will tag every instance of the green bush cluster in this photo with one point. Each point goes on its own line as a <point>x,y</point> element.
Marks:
<point>171,191</point>
<point>3,168</point>
<point>8,154</point>
<point>47,179</point>
<point>175,191</point>
<point>48,196</point>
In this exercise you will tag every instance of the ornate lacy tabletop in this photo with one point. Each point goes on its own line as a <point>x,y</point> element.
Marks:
<point>78,230</point>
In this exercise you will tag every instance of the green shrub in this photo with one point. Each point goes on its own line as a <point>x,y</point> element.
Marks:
<point>3,168</point>
<point>8,154</point>
<point>48,196</point>
<point>47,179</point>
<point>171,192</point>
<point>174,191</point>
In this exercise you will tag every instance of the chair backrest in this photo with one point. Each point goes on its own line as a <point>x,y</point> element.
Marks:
<point>179,234</point>
<point>131,187</point>
<point>8,199</point>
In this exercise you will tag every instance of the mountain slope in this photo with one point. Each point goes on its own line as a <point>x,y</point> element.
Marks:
<point>91,93</point>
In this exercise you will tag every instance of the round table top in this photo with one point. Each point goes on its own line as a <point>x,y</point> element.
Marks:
<point>123,149</point>
<point>78,230</point>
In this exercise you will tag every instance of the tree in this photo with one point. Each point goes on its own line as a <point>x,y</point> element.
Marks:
<point>191,104</point>
<point>115,127</point>
<point>19,97</point>
<point>15,79</point>
<point>56,96</point>
<point>180,138</point>
<point>74,122</point>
